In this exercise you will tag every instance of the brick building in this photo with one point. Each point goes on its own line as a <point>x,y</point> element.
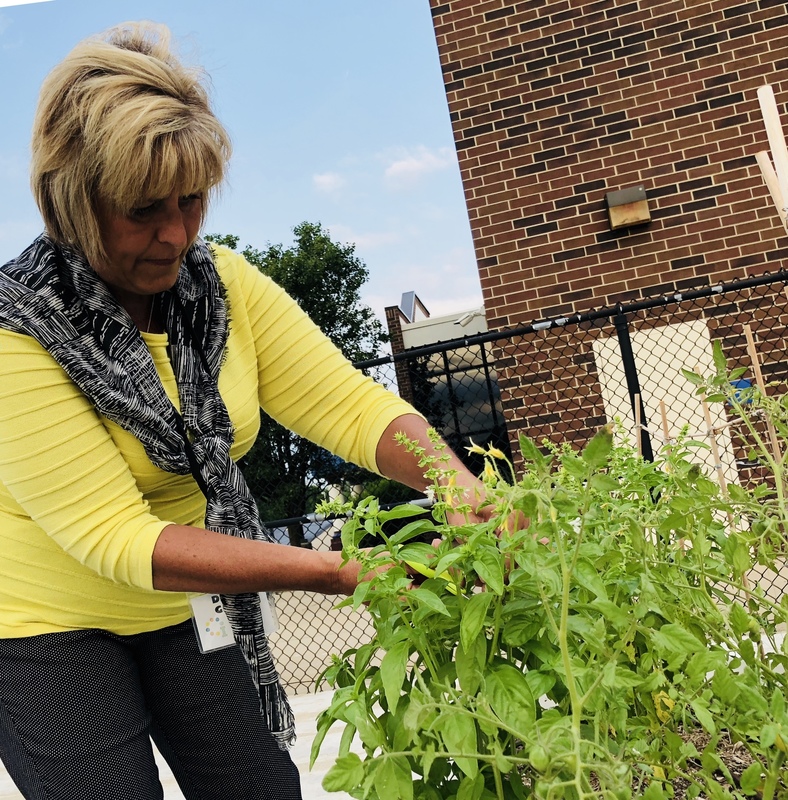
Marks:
<point>556,104</point>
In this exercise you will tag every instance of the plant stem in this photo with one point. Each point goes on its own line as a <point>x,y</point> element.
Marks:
<point>498,781</point>
<point>772,776</point>
<point>496,630</point>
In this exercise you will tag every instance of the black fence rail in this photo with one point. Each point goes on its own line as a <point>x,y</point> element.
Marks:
<point>556,379</point>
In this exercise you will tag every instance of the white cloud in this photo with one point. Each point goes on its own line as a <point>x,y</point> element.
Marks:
<point>447,284</point>
<point>328,182</point>
<point>410,166</point>
<point>7,3</point>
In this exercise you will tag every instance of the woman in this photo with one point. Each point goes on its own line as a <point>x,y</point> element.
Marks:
<point>135,360</point>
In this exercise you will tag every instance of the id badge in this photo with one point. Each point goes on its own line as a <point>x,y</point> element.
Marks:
<point>212,627</point>
<point>268,610</point>
<point>210,623</point>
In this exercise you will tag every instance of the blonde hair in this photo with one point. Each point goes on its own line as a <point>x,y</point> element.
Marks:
<point>121,122</point>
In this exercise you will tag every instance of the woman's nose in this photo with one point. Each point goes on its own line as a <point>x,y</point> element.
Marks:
<point>172,230</point>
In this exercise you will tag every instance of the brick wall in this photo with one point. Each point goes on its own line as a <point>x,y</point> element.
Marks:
<point>555,103</point>
<point>394,319</point>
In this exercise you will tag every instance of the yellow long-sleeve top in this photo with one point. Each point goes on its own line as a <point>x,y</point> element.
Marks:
<point>81,504</point>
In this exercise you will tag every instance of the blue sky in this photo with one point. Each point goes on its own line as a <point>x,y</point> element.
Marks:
<point>337,113</point>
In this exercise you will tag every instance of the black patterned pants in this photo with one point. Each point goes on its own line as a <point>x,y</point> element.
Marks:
<point>78,710</point>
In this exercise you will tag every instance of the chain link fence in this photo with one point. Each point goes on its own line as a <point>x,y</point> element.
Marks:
<point>557,379</point>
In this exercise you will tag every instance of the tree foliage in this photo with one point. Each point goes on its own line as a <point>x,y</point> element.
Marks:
<point>325,279</point>
<point>286,473</point>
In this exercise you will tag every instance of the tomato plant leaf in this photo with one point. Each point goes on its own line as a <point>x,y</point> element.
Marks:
<point>370,733</point>
<point>531,452</point>
<point>675,639</point>
<point>720,362</point>
<point>597,451</point>
<point>751,778</point>
<point>575,467</point>
<point>346,773</point>
<point>725,685</point>
<point>612,612</point>
<point>654,792</point>
<point>393,778</point>
<point>777,705</point>
<point>471,788</point>
<point>768,735</point>
<point>603,483</point>
<point>626,678</point>
<point>704,716</point>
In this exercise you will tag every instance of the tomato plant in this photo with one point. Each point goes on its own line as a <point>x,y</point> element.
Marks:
<point>575,656</point>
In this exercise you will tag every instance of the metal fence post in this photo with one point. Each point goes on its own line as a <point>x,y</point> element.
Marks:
<point>633,384</point>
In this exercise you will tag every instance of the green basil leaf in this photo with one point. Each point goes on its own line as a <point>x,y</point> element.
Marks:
<point>400,512</point>
<point>392,671</point>
<point>469,662</point>
<point>458,731</point>
<point>489,567</point>
<point>474,615</point>
<point>510,697</point>
<point>430,600</point>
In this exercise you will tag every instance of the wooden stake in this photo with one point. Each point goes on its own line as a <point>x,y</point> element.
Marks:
<point>774,132</point>
<point>718,468</point>
<point>638,431</point>
<point>666,433</point>
<point>665,430</point>
<point>756,368</point>
<point>715,452</point>
<point>770,179</point>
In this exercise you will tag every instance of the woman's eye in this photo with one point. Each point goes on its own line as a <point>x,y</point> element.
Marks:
<point>143,211</point>
<point>189,200</point>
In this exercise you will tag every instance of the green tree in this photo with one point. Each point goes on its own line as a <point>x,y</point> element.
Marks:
<point>287,473</point>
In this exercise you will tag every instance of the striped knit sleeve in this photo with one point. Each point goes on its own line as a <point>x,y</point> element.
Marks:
<point>305,383</point>
<point>60,465</point>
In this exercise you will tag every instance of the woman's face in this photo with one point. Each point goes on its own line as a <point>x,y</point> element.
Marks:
<point>146,247</point>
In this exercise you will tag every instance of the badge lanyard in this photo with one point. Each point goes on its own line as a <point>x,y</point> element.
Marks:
<point>211,625</point>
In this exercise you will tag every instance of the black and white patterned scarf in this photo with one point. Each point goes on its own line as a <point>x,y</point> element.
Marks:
<point>52,294</point>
